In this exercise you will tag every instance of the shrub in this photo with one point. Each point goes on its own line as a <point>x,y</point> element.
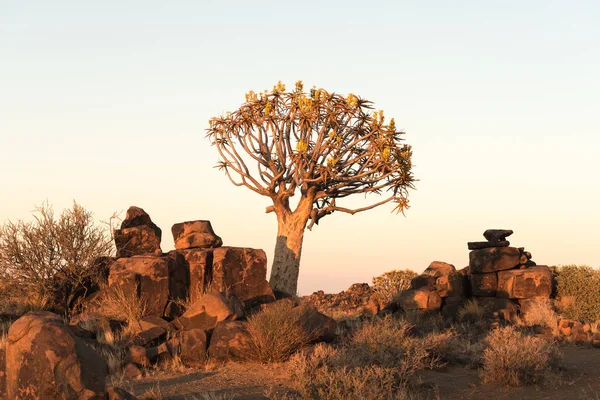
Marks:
<point>277,332</point>
<point>578,289</point>
<point>514,359</point>
<point>391,283</point>
<point>541,312</point>
<point>53,257</point>
<point>124,306</point>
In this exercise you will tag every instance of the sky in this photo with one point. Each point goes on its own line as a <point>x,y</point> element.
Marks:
<point>107,103</point>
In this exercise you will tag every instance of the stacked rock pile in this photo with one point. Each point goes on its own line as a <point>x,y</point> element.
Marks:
<point>440,286</point>
<point>504,279</point>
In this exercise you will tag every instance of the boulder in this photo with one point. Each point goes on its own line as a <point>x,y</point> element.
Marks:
<point>497,235</point>
<point>568,327</point>
<point>151,330</point>
<point>195,234</point>
<point>230,341</point>
<point>208,311</point>
<point>451,306</point>
<point>191,346</point>
<point>484,284</point>
<point>420,281</point>
<point>151,274</point>
<point>525,283</point>
<point>199,264</point>
<point>493,259</point>
<point>116,393</point>
<point>243,272</point>
<point>138,355</point>
<point>420,299</point>
<point>453,285</point>
<point>321,327</point>
<point>44,359</point>
<point>141,240</point>
<point>131,371</point>
<point>485,245</point>
<point>439,268</point>
<point>494,304</point>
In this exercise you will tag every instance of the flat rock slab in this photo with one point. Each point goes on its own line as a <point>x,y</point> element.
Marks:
<point>485,245</point>
<point>493,259</point>
<point>195,234</point>
<point>420,299</point>
<point>497,235</point>
<point>525,283</point>
<point>439,268</point>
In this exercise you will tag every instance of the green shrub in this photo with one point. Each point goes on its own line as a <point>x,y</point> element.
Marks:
<point>578,292</point>
<point>514,359</point>
<point>390,284</point>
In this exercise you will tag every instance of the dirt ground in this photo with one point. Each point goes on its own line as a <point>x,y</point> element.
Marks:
<point>580,381</point>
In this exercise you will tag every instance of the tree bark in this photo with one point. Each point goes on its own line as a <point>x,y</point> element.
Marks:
<point>288,248</point>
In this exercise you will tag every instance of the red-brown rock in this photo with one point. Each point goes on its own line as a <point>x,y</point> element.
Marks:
<point>44,359</point>
<point>484,284</point>
<point>230,341</point>
<point>421,281</point>
<point>141,240</point>
<point>191,346</point>
<point>242,271</point>
<point>420,299</point>
<point>493,259</point>
<point>525,283</point>
<point>195,234</point>
<point>321,327</point>
<point>209,310</point>
<point>439,268</point>
<point>199,264</point>
<point>453,285</point>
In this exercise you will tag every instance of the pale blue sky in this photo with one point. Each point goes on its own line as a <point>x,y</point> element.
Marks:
<point>107,103</point>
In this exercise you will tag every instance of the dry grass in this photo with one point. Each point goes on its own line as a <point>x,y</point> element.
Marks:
<point>471,311</point>
<point>541,312</point>
<point>276,333</point>
<point>514,359</point>
<point>123,306</point>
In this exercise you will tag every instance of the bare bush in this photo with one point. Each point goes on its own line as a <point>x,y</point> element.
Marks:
<point>471,310</point>
<point>390,284</point>
<point>541,312</point>
<point>53,257</point>
<point>277,332</point>
<point>514,359</point>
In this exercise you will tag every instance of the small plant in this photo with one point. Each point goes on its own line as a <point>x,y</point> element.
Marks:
<point>578,289</point>
<point>390,284</point>
<point>471,310</point>
<point>123,305</point>
<point>277,332</point>
<point>540,312</point>
<point>514,359</point>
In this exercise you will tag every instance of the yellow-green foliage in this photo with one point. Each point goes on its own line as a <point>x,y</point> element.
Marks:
<point>580,285</point>
<point>514,359</point>
<point>393,282</point>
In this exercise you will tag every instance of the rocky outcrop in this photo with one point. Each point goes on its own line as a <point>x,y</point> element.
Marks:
<point>230,341</point>
<point>493,259</point>
<point>138,234</point>
<point>209,310</point>
<point>423,299</point>
<point>195,235</point>
<point>358,300</point>
<point>525,283</point>
<point>44,359</point>
<point>243,272</point>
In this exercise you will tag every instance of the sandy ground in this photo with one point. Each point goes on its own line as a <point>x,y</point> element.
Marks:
<point>580,380</point>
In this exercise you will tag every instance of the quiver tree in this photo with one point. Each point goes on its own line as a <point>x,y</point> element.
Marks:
<point>320,145</point>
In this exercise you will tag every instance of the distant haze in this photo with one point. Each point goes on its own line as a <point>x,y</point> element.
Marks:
<point>107,103</point>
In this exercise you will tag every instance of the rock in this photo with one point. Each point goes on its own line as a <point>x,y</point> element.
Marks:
<point>493,259</point>
<point>138,355</point>
<point>525,283</point>
<point>199,264</point>
<point>484,284</point>
<point>161,353</point>
<point>525,306</point>
<point>46,360</point>
<point>208,311</point>
<point>420,299</point>
<point>141,240</point>
<point>132,372</point>
<point>485,245</point>
<point>195,234</point>
<point>423,281</point>
<point>451,306</point>
<point>230,341</point>
<point>191,346</point>
<point>568,327</point>
<point>321,327</point>
<point>596,340</point>
<point>2,372</point>
<point>439,268</point>
<point>453,285</point>
<point>149,335</point>
<point>116,393</point>
<point>497,235</point>
<point>494,304</point>
<point>243,272</point>
<point>150,321</point>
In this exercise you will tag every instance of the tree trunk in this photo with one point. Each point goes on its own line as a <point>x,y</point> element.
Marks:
<point>286,261</point>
